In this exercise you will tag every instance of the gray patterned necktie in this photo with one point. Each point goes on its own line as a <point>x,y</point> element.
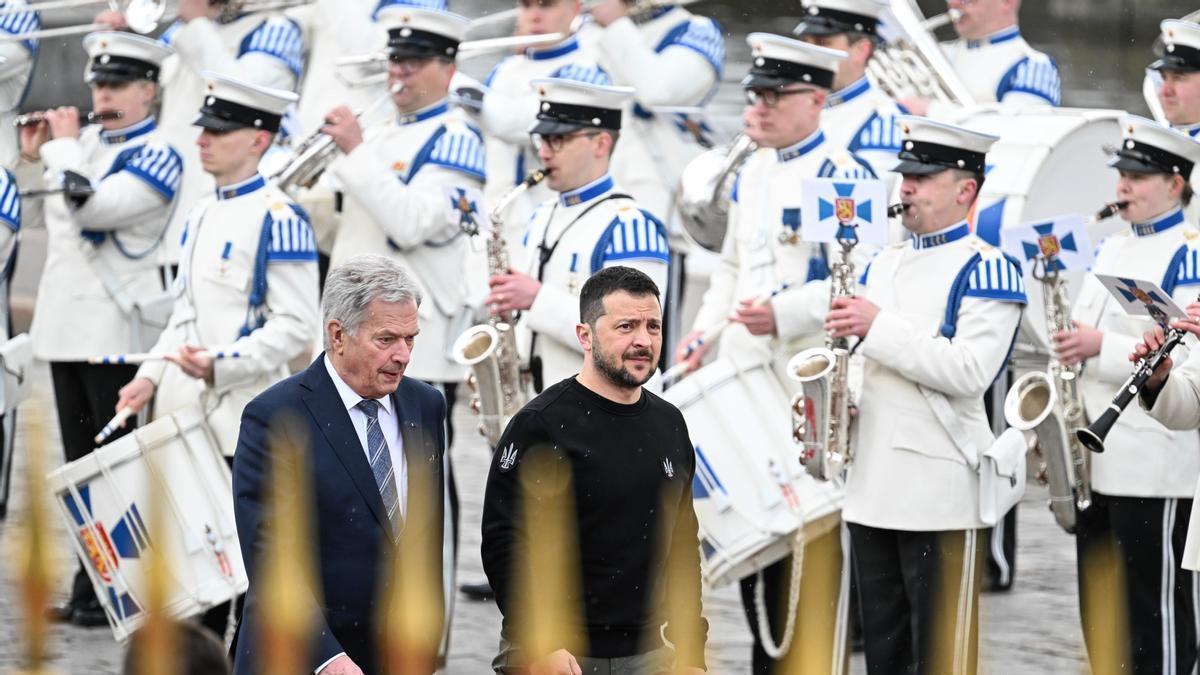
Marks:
<point>381,464</point>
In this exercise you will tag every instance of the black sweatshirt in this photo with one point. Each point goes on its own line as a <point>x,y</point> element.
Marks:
<point>631,467</point>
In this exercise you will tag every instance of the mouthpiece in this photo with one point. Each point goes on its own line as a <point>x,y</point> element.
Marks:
<point>896,210</point>
<point>1110,209</point>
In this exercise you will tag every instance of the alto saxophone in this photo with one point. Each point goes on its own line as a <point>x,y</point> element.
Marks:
<point>1048,407</point>
<point>821,411</point>
<point>490,349</point>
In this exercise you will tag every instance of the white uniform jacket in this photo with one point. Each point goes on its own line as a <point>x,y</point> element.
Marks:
<point>17,59</point>
<point>582,231</point>
<point>103,256</point>
<point>674,58</point>
<point>263,49</point>
<point>10,227</point>
<point>862,119</point>
<point>763,250</point>
<point>247,283</point>
<point>510,107</point>
<point>1178,407</point>
<point>1003,68</point>
<point>907,473</point>
<point>409,187</point>
<point>1142,458</point>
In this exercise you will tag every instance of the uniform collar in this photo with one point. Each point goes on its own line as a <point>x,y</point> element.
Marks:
<point>858,88</point>
<point>439,108</point>
<point>1192,130</point>
<point>944,236</point>
<point>1160,224</point>
<point>117,136</point>
<point>563,48</point>
<point>588,192</point>
<point>1010,33</point>
<point>251,184</point>
<point>802,148</point>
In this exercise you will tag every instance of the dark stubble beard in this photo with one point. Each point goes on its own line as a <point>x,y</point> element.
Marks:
<point>615,372</point>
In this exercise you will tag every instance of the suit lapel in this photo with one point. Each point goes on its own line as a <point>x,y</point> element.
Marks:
<point>421,467</point>
<point>326,407</point>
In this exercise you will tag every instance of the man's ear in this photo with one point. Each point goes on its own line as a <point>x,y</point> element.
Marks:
<point>583,333</point>
<point>337,336</point>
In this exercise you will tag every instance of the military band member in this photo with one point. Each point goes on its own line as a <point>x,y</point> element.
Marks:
<point>17,60</point>
<point>589,225</point>
<point>937,316</point>
<point>1179,94</point>
<point>247,277</point>
<point>672,58</point>
<point>10,225</point>
<point>858,115</point>
<point>510,105</point>
<point>786,90</point>
<point>266,49</point>
<point>994,61</point>
<point>1141,501</point>
<point>411,184</point>
<point>101,269</point>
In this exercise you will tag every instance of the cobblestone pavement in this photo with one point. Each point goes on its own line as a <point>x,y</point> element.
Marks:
<point>1033,629</point>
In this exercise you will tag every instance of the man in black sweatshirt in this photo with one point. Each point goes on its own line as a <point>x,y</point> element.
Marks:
<point>589,535</point>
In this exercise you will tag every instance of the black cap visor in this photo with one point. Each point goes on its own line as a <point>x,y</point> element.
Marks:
<point>1143,158</point>
<point>220,115</point>
<point>911,167</point>
<point>419,44</point>
<point>214,123</point>
<point>109,69</point>
<point>828,21</point>
<point>555,127</point>
<point>1175,64</point>
<point>762,81</point>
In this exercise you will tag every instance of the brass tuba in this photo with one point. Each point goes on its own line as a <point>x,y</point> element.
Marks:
<point>705,186</point>
<point>913,64</point>
<point>490,349</point>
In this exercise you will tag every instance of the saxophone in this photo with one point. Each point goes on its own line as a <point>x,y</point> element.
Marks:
<point>821,411</point>
<point>490,349</point>
<point>1047,405</point>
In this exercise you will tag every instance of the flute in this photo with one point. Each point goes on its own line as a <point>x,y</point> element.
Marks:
<point>30,119</point>
<point>135,359</point>
<point>680,369</point>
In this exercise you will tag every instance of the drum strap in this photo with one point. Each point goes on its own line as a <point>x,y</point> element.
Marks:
<point>773,649</point>
<point>544,255</point>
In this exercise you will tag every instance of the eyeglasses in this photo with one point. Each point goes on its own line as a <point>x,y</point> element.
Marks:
<point>556,141</point>
<point>770,97</point>
<point>409,64</point>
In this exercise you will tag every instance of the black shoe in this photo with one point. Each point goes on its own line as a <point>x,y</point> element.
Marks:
<point>479,592</point>
<point>89,616</point>
<point>60,613</point>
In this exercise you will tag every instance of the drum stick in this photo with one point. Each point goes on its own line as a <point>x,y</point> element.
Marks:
<point>115,423</point>
<point>677,371</point>
<point>140,358</point>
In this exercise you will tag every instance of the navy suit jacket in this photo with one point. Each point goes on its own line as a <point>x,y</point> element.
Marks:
<point>351,543</point>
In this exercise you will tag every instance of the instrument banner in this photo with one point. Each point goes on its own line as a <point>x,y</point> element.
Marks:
<point>838,207</point>
<point>1061,242</point>
<point>1142,298</point>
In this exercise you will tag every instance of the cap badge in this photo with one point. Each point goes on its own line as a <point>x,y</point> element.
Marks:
<point>1129,144</point>
<point>405,32</point>
<point>210,100</point>
<point>908,145</point>
<point>105,58</point>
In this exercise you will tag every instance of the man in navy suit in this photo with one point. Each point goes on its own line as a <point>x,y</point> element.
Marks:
<point>374,443</point>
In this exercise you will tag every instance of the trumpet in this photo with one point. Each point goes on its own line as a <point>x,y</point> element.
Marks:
<point>30,119</point>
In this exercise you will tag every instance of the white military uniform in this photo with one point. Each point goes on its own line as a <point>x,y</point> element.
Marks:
<point>404,188</point>
<point>247,283</point>
<point>1003,68</point>
<point>862,119</point>
<point>762,247</point>
<point>583,231</point>
<point>108,245</point>
<point>10,227</point>
<point>266,50</point>
<point>674,58</point>
<point>908,474</point>
<point>17,59</point>
<point>1163,251</point>
<point>509,108</point>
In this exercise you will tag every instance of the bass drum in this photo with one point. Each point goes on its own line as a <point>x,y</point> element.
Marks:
<point>751,495</point>
<point>1048,162</point>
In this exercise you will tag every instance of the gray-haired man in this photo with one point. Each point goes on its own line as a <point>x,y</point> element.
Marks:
<point>373,444</point>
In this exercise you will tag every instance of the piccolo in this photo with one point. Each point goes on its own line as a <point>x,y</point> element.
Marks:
<point>1092,437</point>
<point>140,358</point>
<point>30,119</point>
<point>115,423</point>
<point>675,372</point>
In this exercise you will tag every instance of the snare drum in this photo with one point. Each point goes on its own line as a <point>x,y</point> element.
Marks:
<point>750,492</point>
<point>1048,162</point>
<point>105,499</point>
